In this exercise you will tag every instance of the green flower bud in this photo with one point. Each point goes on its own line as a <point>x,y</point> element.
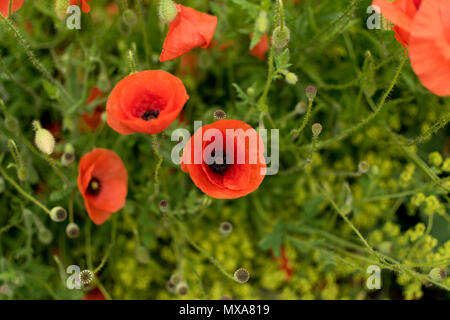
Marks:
<point>61,7</point>
<point>291,78</point>
<point>435,159</point>
<point>262,22</point>
<point>103,82</point>
<point>241,275</point>
<point>281,37</point>
<point>72,230</point>
<point>225,229</point>
<point>167,11</point>
<point>446,165</point>
<point>58,214</point>
<point>182,288</point>
<point>129,18</point>
<point>316,129</point>
<point>43,139</point>
<point>438,274</point>
<point>45,236</point>
<point>22,173</point>
<point>11,124</point>
<point>142,255</point>
<point>251,91</point>
<point>219,115</point>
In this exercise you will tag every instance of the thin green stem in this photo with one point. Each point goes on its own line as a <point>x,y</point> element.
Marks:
<point>144,32</point>
<point>158,165</point>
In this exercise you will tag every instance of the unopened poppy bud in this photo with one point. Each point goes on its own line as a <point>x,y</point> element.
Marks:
<point>219,115</point>
<point>45,236</point>
<point>363,167</point>
<point>2,184</point>
<point>175,279</point>
<point>262,22</point>
<point>68,156</point>
<point>167,11</point>
<point>129,18</point>
<point>22,173</point>
<point>301,107</point>
<point>72,230</point>
<point>86,277</point>
<point>251,91</point>
<point>281,37</point>
<point>58,214</point>
<point>43,139</point>
<point>163,205</point>
<point>142,255</point>
<point>291,78</point>
<point>241,275</point>
<point>61,8</point>
<point>311,92</point>
<point>225,229</point>
<point>181,288</point>
<point>103,82</point>
<point>11,124</point>
<point>316,129</point>
<point>438,274</point>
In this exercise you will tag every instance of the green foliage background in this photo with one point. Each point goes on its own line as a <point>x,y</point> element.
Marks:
<point>400,206</point>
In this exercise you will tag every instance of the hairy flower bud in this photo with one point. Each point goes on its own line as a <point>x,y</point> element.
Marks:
<point>438,274</point>
<point>291,78</point>
<point>167,11</point>
<point>281,37</point>
<point>262,22</point>
<point>129,18</point>
<point>43,139</point>
<point>225,228</point>
<point>241,275</point>
<point>72,230</point>
<point>58,214</point>
<point>45,236</point>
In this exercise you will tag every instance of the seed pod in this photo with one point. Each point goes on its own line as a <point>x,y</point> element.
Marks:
<point>281,37</point>
<point>58,214</point>
<point>219,115</point>
<point>129,18</point>
<point>182,288</point>
<point>316,129</point>
<point>72,230</point>
<point>142,255</point>
<point>301,107</point>
<point>170,287</point>
<point>311,92</point>
<point>45,236</point>
<point>241,275</point>
<point>68,156</point>
<point>438,274</point>
<point>225,229</point>
<point>61,7</point>
<point>291,78</point>
<point>43,139</point>
<point>163,205</point>
<point>167,11</point>
<point>363,167</point>
<point>86,277</point>
<point>175,279</point>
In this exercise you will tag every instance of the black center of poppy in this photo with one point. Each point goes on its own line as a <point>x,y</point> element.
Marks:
<point>94,187</point>
<point>150,115</point>
<point>219,168</point>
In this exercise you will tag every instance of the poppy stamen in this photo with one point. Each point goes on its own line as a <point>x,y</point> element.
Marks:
<point>94,187</point>
<point>219,168</point>
<point>150,115</point>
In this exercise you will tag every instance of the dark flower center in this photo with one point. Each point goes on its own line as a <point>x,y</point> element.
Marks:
<point>219,168</point>
<point>94,187</point>
<point>150,115</point>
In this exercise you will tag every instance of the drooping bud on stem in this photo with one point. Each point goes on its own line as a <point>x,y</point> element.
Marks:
<point>281,37</point>
<point>167,11</point>
<point>43,139</point>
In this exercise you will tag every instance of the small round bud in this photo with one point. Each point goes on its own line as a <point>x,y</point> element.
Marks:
<point>2,184</point>
<point>181,288</point>
<point>363,167</point>
<point>43,139</point>
<point>175,279</point>
<point>129,18</point>
<point>22,173</point>
<point>225,229</point>
<point>167,11</point>
<point>219,115</point>
<point>262,22</point>
<point>281,37</point>
<point>170,287</point>
<point>251,91</point>
<point>163,205</point>
<point>438,274</point>
<point>316,129</point>
<point>241,275</point>
<point>301,108</point>
<point>291,78</point>
<point>61,7</point>
<point>142,255</point>
<point>45,236</point>
<point>68,156</point>
<point>311,92</point>
<point>103,82</point>
<point>72,230</point>
<point>86,277</point>
<point>11,124</point>
<point>58,214</point>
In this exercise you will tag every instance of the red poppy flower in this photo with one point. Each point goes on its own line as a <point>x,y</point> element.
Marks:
<point>146,101</point>
<point>189,30</point>
<point>95,294</point>
<point>401,13</point>
<point>220,175</point>
<point>84,5</point>
<point>102,181</point>
<point>429,46</point>
<point>4,6</point>
<point>261,48</point>
<point>93,120</point>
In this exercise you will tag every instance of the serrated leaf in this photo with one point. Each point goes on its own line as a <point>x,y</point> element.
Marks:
<point>274,240</point>
<point>282,60</point>
<point>52,91</point>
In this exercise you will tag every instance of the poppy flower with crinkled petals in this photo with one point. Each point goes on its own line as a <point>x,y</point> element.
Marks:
<point>189,30</point>
<point>401,13</point>
<point>4,6</point>
<point>84,5</point>
<point>103,183</point>
<point>261,48</point>
<point>147,101</point>
<point>225,159</point>
<point>95,294</point>
<point>429,46</point>
<point>94,119</point>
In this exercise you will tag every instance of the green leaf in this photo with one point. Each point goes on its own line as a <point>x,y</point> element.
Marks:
<point>52,91</point>
<point>282,60</point>
<point>274,240</point>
